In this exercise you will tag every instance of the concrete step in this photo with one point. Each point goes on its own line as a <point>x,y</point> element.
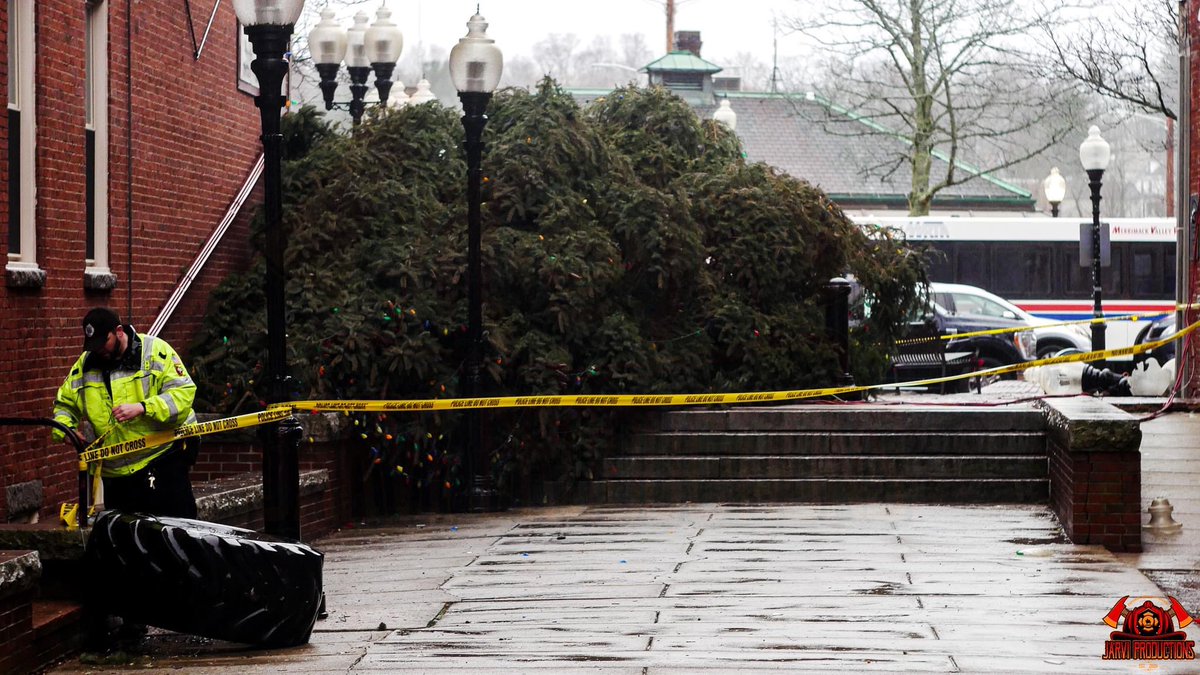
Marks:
<point>835,443</point>
<point>840,466</point>
<point>817,490</point>
<point>58,631</point>
<point>35,632</point>
<point>825,453</point>
<point>846,418</point>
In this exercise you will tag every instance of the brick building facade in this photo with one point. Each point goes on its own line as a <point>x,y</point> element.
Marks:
<point>115,127</point>
<point>1189,174</point>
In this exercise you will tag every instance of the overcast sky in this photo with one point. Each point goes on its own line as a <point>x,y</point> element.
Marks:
<point>727,27</point>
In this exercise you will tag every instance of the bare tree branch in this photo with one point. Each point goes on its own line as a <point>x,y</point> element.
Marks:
<point>1128,56</point>
<point>951,78</point>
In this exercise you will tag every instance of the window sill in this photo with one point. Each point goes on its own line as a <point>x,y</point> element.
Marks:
<point>24,275</point>
<point>99,279</point>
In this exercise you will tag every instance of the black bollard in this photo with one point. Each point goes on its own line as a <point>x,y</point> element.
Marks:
<point>837,325</point>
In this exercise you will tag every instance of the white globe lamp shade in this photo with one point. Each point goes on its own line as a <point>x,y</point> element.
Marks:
<point>1094,152</point>
<point>383,39</point>
<point>1055,187</point>
<point>356,42</point>
<point>398,97</point>
<point>725,115</point>
<point>327,40</point>
<point>268,12</point>
<point>423,94</point>
<point>476,62</point>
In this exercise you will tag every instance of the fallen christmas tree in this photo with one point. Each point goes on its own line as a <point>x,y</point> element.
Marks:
<point>627,247</point>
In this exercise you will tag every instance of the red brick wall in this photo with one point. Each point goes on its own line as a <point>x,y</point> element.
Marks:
<point>1191,127</point>
<point>16,631</point>
<point>318,518</point>
<point>219,458</point>
<point>320,513</point>
<point>1097,496</point>
<point>194,139</point>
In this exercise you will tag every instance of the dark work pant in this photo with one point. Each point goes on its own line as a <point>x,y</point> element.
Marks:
<point>168,494</point>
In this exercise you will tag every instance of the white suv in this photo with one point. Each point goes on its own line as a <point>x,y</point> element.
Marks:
<point>962,299</point>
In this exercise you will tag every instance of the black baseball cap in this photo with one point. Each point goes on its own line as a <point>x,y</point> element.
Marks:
<point>97,324</point>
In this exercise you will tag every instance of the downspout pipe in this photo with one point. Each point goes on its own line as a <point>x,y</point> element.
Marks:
<point>1186,201</point>
<point>129,158</point>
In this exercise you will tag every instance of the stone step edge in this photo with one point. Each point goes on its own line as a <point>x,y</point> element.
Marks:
<point>650,451</point>
<point>656,458</point>
<point>865,479</point>
<point>51,614</point>
<point>224,499</point>
<point>887,433</point>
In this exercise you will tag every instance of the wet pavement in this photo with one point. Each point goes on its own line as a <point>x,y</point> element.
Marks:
<point>731,588</point>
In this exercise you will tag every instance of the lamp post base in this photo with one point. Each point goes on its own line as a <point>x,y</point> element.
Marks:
<point>281,478</point>
<point>483,497</point>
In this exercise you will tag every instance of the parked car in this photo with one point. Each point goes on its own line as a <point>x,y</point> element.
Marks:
<point>994,350</point>
<point>990,350</point>
<point>1153,332</point>
<point>963,299</point>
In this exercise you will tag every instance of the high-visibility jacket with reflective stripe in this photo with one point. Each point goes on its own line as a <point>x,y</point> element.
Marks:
<point>161,383</point>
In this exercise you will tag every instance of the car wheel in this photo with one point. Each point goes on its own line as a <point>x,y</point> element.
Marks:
<point>1047,349</point>
<point>205,579</point>
<point>1142,336</point>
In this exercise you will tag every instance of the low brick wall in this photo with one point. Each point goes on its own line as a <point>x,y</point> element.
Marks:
<point>1095,472</point>
<point>238,501</point>
<point>19,574</point>
<point>234,460</point>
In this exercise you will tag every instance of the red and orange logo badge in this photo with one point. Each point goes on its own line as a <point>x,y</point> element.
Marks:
<point>1149,631</point>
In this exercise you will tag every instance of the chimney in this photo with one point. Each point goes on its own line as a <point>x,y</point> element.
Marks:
<point>688,41</point>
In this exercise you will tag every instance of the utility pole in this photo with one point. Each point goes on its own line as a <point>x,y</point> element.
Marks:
<point>670,26</point>
<point>1170,147</point>
<point>775,57</point>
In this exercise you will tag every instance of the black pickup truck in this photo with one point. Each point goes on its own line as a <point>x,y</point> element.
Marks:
<point>993,350</point>
<point>988,351</point>
<point>1153,332</point>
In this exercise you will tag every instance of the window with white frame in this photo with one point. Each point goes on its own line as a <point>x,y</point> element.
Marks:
<point>22,268</point>
<point>97,275</point>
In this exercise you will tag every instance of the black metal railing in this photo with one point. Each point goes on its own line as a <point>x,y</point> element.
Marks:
<point>84,502</point>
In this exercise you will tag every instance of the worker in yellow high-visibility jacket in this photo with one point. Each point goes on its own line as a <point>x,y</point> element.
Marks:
<point>125,386</point>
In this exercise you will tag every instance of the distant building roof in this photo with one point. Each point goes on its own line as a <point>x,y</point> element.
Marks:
<point>851,158</point>
<point>681,62</point>
<point>855,160</point>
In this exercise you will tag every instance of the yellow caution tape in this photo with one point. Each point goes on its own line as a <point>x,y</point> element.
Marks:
<point>610,401</point>
<point>1102,355</point>
<point>185,431</point>
<point>279,411</point>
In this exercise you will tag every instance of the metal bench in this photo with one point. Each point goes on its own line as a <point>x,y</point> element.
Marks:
<point>926,356</point>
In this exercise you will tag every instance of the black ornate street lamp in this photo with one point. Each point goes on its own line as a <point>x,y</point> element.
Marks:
<point>475,66</point>
<point>1094,155</point>
<point>269,26</point>
<point>1055,187</point>
<point>364,49</point>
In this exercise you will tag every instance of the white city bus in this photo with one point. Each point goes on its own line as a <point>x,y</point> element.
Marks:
<point>1034,262</point>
